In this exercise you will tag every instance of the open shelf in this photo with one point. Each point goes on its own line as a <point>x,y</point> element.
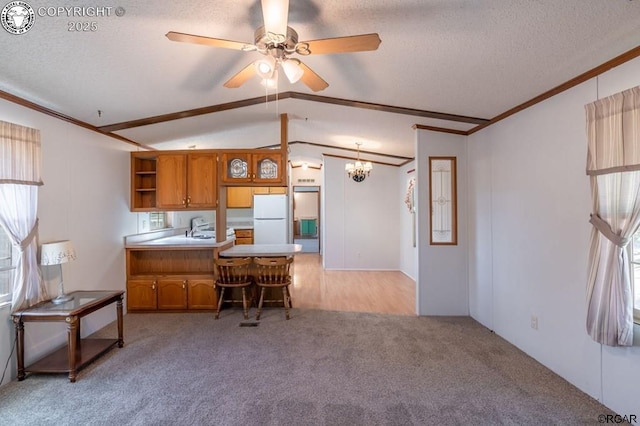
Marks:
<point>58,361</point>
<point>143,195</point>
<point>171,262</point>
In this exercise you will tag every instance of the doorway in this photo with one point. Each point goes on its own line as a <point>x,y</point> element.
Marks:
<point>306,218</point>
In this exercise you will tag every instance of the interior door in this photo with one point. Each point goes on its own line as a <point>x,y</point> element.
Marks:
<point>306,217</point>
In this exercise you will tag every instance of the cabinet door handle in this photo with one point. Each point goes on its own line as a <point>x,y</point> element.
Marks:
<point>184,285</point>
<point>153,286</point>
<point>188,200</point>
<point>184,201</point>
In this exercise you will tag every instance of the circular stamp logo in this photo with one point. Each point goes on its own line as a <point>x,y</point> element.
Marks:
<point>17,17</point>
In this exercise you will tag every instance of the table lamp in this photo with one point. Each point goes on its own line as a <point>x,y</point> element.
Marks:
<point>57,253</point>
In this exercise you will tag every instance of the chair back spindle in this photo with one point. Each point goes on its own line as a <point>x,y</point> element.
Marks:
<point>273,272</point>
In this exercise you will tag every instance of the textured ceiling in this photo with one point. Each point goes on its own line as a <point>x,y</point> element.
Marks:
<point>476,58</point>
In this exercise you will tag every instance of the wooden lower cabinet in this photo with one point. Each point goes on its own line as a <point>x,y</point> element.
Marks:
<point>141,295</point>
<point>201,294</point>
<point>172,279</point>
<point>171,294</point>
<point>244,236</point>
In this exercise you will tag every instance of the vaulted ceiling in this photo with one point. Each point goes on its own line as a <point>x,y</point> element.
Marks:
<point>445,63</point>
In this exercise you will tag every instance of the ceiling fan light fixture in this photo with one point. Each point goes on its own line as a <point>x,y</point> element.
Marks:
<point>292,70</point>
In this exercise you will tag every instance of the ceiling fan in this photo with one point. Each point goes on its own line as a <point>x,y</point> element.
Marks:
<point>278,42</point>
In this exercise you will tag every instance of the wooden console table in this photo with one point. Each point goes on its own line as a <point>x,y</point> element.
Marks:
<point>78,352</point>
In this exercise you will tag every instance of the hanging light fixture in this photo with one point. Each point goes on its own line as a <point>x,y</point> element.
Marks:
<point>358,171</point>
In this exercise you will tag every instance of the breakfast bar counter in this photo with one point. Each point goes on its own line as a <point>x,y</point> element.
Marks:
<point>261,250</point>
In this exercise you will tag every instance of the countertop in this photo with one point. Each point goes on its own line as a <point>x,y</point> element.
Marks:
<point>180,241</point>
<point>256,250</point>
<point>243,224</point>
<point>172,239</point>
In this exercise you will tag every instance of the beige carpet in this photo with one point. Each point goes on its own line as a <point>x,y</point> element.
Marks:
<point>319,368</point>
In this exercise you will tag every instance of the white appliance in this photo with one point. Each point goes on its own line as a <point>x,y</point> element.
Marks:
<point>201,228</point>
<point>270,219</point>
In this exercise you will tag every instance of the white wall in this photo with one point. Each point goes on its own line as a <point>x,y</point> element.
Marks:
<point>85,198</point>
<point>309,177</point>
<point>307,205</point>
<point>360,220</point>
<point>529,204</point>
<point>479,233</point>
<point>442,270</point>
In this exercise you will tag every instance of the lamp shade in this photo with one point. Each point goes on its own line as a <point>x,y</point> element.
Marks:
<point>265,67</point>
<point>275,14</point>
<point>57,252</point>
<point>292,70</point>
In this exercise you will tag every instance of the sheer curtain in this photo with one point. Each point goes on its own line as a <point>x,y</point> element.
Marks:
<point>19,181</point>
<point>613,165</point>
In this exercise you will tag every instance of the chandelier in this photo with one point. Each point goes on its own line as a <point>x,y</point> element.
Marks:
<point>358,171</point>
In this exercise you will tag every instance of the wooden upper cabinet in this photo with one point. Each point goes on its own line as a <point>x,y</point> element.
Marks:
<point>171,179</point>
<point>239,197</point>
<point>236,167</point>
<point>267,168</point>
<point>202,180</point>
<point>186,181</point>
<point>244,167</point>
<point>179,180</point>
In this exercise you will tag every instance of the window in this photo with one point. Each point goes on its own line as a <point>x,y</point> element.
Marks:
<point>157,220</point>
<point>635,274</point>
<point>6,267</point>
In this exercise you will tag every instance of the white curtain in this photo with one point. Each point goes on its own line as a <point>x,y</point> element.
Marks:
<point>19,181</point>
<point>613,165</point>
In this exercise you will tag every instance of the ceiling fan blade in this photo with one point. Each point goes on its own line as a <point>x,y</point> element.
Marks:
<point>241,77</point>
<point>358,43</point>
<point>312,80</point>
<point>208,41</point>
<point>275,14</point>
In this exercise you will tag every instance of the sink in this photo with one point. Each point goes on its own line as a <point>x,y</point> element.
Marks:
<point>203,237</point>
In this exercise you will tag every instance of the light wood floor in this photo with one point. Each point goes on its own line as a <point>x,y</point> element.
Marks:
<point>388,292</point>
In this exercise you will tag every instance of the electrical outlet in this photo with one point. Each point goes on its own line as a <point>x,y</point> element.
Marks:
<point>534,322</point>
<point>144,224</point>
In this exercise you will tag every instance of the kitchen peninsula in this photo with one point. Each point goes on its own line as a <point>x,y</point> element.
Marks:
<point>168,271</point>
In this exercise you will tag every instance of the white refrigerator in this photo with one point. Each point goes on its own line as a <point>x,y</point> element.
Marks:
<point>270,219</point>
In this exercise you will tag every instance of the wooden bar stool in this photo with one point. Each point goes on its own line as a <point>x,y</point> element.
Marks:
<point>233,273</point>
<point>273,272</point>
